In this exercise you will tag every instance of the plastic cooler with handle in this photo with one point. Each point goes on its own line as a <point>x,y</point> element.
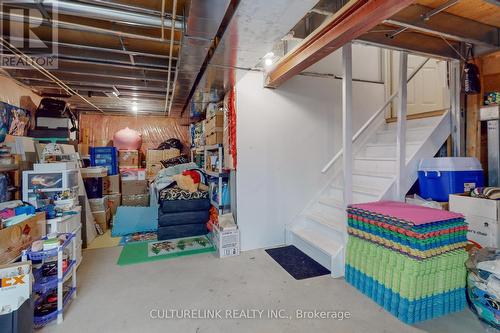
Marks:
<point>441,176</point>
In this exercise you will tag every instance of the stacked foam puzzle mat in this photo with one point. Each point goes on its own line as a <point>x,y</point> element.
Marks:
<point>409,259</point>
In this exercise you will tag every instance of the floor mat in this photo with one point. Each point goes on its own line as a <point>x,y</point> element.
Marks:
<point>103,241</point>
<point>297,263</point>
<point>129,220</point>
<point>137,252</point>
<point>139,237</point>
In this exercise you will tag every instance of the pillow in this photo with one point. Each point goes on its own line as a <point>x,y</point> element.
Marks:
<point>186,183</point>
<point>174,161</point>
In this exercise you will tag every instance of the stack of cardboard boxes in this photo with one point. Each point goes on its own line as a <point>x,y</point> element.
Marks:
<point>94,180</point>
<point>154,158</point>
<point>134,184</point>
<point>214,129</point>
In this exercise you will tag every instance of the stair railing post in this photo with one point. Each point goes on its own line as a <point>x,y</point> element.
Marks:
<point>347,121</point>
<point>401,126</point>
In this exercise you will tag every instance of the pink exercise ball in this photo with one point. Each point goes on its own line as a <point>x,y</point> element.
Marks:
<point>127,139</point>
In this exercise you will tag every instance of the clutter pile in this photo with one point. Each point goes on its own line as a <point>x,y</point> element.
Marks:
<point>409,259</point>
<point>483,285</point>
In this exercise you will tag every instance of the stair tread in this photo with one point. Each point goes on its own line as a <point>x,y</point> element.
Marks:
<point>318,240</point>
<point>370,158</point>
<point>393,129</point>
<point>359,189</point>
<point>331,202</point>
<point>388,175</point>
<point>337,226</point>
<point>377,144</point>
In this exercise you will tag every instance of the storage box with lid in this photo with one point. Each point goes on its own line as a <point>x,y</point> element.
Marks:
<point>483,217</point>
<point>132,174</point>
<point>442,176</point>
<point>48,181</point>
<point>106,157</point>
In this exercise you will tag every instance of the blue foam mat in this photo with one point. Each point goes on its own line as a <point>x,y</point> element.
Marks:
<point>407,311</point>
<point>129,220</point>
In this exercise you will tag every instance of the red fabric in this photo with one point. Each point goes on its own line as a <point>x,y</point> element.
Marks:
<point>232,127</point>
<point>193,174</point>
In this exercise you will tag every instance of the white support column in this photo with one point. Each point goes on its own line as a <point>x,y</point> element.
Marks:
<point>347,121</point>
<point>457,119</point>
<point>401,126</point>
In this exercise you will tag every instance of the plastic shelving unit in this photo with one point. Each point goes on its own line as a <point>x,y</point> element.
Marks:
<point>44,285</point>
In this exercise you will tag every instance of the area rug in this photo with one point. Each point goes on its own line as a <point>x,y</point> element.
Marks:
<point>297,263</point>
<point>138,252</point>
<point>139,237</point>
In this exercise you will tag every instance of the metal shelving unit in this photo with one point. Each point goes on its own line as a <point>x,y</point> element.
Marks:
<point>220,173</point>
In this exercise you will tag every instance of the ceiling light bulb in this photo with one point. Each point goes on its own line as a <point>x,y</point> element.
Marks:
<point>114,93</point>
<point>268,61</point>
<point>134,107</point>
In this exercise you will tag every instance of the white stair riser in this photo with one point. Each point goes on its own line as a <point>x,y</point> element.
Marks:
<point>357,197</point>
<point>385,151</point>
<point>334,216</point>
<point>365,181</point>
<point>390,136</point>
<point>319,256</point>
<point>375,166</point>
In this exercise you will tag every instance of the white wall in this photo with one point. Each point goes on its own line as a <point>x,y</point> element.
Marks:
<point>285,137</point>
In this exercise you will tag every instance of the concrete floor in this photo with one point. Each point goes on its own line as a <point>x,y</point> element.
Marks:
<point>119,299</point>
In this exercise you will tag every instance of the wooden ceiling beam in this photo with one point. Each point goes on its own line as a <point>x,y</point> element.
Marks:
<point>423,44</point>
<point>447,25</point>
<point>353,20</point>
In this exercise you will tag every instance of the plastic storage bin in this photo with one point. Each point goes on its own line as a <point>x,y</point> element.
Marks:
<point>106,157</point>
<point>440,177</point>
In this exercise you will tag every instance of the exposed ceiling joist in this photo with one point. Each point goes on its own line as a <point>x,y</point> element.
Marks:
<point>354,19</point>
<point>446,25</point>
<point>411,41</point>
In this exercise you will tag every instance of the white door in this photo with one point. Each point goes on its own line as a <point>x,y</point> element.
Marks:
<point>428,90</point>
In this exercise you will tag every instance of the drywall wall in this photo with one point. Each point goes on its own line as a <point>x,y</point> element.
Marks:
<point>15,94</point>
<point>285,137</point>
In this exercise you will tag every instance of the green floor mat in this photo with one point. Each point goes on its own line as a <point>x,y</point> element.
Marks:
<point>137,252</point>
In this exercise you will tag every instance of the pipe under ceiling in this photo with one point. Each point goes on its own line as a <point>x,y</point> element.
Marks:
<point>86,10</point>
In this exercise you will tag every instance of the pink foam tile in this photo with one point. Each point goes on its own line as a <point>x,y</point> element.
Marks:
<point>416,215</point>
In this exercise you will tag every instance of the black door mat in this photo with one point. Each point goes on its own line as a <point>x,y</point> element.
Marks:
<point>297,263</point>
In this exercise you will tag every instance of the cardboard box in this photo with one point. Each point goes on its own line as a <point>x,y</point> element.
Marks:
<point>152,170</point>
<point>128,158</point>
<point>94,172</point>
<point>111,184</point>
<point>156,156</point>
<point>102,218</point>
<point>482,215</point>
<point>15,239</point>
<point>138,200</point>
<point>227,242</point>
<point>99,204</point>
<point>133,174</point>
<point>215,123</point>
<point>133,187</point>
<point>215,138</point>
<point>114,201</point>
<point>84,149</point>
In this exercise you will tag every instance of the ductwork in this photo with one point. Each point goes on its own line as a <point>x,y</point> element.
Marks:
<point>98,12</point>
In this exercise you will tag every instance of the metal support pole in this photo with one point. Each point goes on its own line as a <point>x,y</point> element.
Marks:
<point>401,125</point>
<point>457,118</point>
<point>347,121</point>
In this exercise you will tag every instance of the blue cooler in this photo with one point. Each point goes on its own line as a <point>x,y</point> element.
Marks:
<point>441,176</point>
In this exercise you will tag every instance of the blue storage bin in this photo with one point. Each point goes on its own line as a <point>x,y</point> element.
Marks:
<point>442,176</point>
<point>105,157</point>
